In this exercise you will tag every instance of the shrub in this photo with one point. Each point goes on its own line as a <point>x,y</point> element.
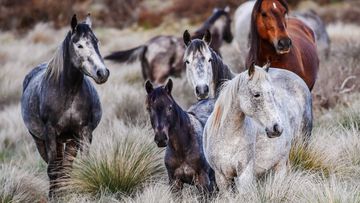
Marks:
<point>116,166</point>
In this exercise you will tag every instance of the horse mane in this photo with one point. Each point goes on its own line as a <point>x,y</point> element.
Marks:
<point>199,33</point>
<point>56,64</point>
<point>229,93</point>
<point>221,72</point>
<point>254,41</point>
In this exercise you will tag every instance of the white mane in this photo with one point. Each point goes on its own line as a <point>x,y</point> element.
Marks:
<point>55,65</point>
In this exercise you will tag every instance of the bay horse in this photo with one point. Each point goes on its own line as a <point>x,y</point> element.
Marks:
<point>181,133</point>
<point>254,121</point>
<point>242,20</point>
<point>162,55</point>
<point>59,105</point>
<point>205,69</point>
<point>284,43</point>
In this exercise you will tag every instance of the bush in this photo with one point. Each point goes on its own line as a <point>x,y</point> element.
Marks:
<point>117,166</point>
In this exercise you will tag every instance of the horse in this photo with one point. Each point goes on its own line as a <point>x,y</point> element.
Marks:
<point>162,56</point>
<point>181,133</point>
<point>242,19</point>
<point>205,69</point>
<point>284,43</point>
<point>254,121</point>
<point>59,105</point>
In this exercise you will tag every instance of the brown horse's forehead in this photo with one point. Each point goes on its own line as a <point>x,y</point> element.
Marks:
<point>273,6</point>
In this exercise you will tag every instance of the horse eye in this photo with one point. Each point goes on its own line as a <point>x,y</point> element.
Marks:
<point>210,60</point>
<point>256,95</point>
<point>263,14</point>
<point>187,62</point>
<point>80,46</point>
<point>170,108</point>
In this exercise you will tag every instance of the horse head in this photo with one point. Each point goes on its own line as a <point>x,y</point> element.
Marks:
<point>162,110</point>
<point>198,61</point>
<point>269,17</point>
<point>257,100</point>
<point>84,51</point>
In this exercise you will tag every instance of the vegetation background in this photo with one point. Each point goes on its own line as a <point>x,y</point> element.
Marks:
<point>124,164</point>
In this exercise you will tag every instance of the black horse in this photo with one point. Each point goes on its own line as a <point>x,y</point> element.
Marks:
<point>181,133</point>
<point>60,106</point>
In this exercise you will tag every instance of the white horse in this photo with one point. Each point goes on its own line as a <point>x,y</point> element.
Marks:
<point>255,118</point>
<point>242,21</point>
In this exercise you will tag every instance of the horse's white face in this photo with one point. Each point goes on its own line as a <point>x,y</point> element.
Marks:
<point>199,69</point>
<point>85,53</point>
<point>257,101</point>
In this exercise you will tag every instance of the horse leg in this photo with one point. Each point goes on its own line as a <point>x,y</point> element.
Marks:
<point>202,182</point>
<point>40,145</point>
<point>51,152</point>
<point>245,180</point>
<point>71,149</point>
<point>60,159</point>
<point>222,182</point>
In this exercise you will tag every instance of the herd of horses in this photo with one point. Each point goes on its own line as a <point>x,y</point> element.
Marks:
<point>241,127</point>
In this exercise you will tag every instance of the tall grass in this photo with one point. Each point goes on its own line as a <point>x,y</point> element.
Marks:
<point>120,164</point>
<point>19,185</point>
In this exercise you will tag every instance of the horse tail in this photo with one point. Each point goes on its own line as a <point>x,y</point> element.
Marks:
<point>32,73</point>
<point>128,56</point>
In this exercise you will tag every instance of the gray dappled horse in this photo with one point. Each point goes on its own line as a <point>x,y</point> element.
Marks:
<point>256,116</point>
<point>205,70</point>
<point>60,106</point>
<point>162,56</point>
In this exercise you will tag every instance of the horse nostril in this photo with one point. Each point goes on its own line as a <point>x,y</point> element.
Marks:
<point>284,43</point>
<point>206,89</point>
<point>99,73</point>
<point>276,128</point>
<point>197,90</point>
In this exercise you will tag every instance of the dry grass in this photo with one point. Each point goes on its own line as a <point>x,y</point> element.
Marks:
<point>327,170</point>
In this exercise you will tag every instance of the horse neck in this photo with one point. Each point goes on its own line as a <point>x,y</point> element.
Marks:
<point>71,76</point>
<point>221,72</point>
<point>261,52</point>
<point>181,136</point>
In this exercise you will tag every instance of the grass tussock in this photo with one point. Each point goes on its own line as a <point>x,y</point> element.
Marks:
<point>18,185</point>
<point>118,165</point>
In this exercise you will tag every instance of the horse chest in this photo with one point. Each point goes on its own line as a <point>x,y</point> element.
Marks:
<point>183,169</point>
<point>75,113</point>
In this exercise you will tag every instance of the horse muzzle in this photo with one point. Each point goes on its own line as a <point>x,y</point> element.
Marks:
<point>202,91</point>
<point>161,139</point>
<point>102,75</point>
<point>274,131</point>
<point>283,45</point>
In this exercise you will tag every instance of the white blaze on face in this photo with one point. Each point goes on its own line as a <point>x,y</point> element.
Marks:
<point>274,5</point>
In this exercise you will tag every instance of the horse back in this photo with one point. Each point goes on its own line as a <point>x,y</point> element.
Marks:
<point>34,72</point>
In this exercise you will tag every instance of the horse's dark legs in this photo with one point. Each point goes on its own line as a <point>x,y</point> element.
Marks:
<point>52,157</point>
<point>71,149</point>
<point>40,145</point>
<point>203,183</point>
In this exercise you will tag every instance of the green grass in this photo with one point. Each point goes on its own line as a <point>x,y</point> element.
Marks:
<point>304,157</point>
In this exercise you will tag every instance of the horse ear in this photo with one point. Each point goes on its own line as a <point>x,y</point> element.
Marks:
<point>73,23</point>
<point>186,37</point>
<point>207,37</point>
<point>227,9</point>
<point>266,67</point>
<point>251,70</point>
<point>169,86</point>
<point>88,20</point>
<point>149,87</point>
